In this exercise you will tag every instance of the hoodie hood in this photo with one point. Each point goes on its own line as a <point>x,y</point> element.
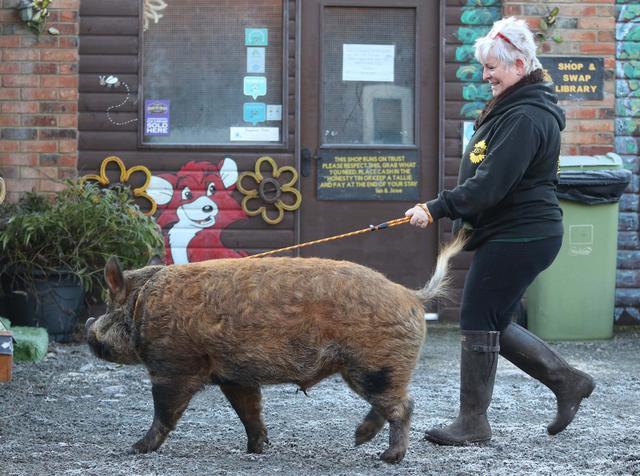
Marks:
<point>531,90</point>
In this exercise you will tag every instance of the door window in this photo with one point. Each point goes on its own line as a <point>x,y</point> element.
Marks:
<point>368,76</point>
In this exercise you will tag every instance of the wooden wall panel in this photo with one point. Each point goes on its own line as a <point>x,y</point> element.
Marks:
<point>109,44</point>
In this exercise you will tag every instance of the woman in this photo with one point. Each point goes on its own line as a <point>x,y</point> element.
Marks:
<point>506,202</point>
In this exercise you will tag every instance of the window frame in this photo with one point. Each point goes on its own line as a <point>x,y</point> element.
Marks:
<point>283,144</point>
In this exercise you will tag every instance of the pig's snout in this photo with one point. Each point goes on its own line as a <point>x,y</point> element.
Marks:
<point>89,323</point>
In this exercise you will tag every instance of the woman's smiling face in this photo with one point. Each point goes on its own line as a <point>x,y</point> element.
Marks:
<point>501,75</point>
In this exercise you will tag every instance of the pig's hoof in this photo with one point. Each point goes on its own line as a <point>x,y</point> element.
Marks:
<point>365,432</point>
<point>141,447</point>
<point>393,455</point>
<point>256,445</point>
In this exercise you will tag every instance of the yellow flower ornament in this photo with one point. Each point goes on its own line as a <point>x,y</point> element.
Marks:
<point>477,154</point>
<point>125,175</point>
<point>268,192</point>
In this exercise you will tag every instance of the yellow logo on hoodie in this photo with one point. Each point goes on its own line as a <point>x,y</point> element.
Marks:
<point>477,155</point>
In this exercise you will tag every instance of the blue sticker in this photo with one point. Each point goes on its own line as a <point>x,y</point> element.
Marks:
<point>156,117</point>
<point>254,112</point>
<point>256,36</point>
<point>255,86</point>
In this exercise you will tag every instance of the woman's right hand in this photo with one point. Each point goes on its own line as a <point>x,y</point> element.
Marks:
<point>420,215</point>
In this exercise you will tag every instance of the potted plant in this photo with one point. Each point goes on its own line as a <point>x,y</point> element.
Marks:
<point>53,250</point>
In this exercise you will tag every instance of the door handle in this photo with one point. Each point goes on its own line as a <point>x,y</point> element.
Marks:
<point>305,163</point>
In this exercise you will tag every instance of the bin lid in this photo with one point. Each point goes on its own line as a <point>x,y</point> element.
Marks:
<point>593,162</point>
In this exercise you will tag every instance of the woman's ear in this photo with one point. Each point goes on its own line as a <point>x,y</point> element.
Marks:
<point>520,69</point>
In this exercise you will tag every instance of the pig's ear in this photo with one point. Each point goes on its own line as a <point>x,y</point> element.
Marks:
<point>115,280</point>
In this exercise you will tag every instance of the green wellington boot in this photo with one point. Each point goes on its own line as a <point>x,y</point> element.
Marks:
<point>479,357</point>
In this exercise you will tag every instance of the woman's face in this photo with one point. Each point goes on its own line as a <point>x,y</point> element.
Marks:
<point>501,75</point>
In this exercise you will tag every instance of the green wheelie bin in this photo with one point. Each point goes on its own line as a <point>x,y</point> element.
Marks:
<point>574,298</point>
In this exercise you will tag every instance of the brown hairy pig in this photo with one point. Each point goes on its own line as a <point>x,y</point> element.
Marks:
<point>244,323</point>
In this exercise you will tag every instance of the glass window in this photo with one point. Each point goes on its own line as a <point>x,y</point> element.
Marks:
<point>213,73</point>
<point>368,76</point>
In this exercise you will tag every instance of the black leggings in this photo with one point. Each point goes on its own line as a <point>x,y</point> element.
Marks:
<point>498,278</point>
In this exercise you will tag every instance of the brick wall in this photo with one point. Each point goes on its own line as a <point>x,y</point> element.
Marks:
<point>587,29</point>
<point>38,99</point>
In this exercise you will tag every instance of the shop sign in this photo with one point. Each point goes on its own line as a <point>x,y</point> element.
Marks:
<point>575,78</point>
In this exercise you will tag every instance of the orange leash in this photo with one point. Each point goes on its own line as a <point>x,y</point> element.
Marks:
<point>381,226</point>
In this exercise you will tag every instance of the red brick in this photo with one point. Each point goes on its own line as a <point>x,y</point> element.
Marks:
<point>69,42</point>
<point>67,172</point>
<point>19,81</point>
<point>67,4</point>
<point>39,121</point>
<point>512,10</point>
<point>39,172</point>
<point>68,94</point>
<point>578,113</point>
<point>579,35</point>
<point>48,94</point>
<point>59,81</point>
<point>9,93</point>
<point>41,41</point>
<point>68,120</point>
<point>69,56</point>
<point>568,149</point>
<point>9,120</point>
<point>66,68</point>
<point>9,68</point>
<point>51,186</point>
<point>596,23</point>
<point>67,17</point>
<point>598,48</point>
<point>9,41</point>
<point>58,107</point>
<point>19,159</point>
<point>9,146</point>
<point>596,126</point>
<point>11,54</point>
<point>20,185</point>
<point>67,146</point>
<point>66,28</point>
<point>19,107</point>
<point>38,146</point>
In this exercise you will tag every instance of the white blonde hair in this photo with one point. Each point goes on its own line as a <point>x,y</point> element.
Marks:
<point>508,40</point>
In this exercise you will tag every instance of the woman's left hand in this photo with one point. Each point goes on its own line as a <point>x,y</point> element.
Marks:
<point>420,215</point>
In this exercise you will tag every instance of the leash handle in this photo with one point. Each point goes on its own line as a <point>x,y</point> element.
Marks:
<point>381,226</point>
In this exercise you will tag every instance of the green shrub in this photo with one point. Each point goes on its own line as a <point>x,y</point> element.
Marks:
<point>76,230</point>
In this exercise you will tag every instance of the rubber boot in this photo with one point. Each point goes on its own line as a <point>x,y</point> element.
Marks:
<point>532,355</point>
<point>479,357</point>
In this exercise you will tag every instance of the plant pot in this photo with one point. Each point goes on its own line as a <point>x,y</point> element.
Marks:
<point>52,301</point>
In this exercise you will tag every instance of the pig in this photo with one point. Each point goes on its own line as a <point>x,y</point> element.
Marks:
<point>244,323</point>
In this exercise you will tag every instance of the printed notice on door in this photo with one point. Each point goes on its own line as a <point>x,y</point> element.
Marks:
<point>368,63</point>
<point>368,175</point>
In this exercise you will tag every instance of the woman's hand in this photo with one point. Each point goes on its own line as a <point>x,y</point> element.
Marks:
<point>420,215</point>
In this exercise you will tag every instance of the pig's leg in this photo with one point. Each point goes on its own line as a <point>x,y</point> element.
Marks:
<point>170,399</point>
<point>386,391</point>
<point>247,402</point>
<point>370,426</point>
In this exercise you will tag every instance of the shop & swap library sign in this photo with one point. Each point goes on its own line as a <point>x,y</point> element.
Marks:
<point>575,78</point>
<point>368,175</point>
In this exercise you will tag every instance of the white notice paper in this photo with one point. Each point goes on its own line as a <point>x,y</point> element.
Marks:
<point>368,62</point>
<point>254,134</point>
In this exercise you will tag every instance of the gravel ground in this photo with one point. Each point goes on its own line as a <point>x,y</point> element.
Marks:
<point>74,414</point>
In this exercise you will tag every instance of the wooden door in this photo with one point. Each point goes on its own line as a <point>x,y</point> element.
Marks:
<point>369,108</point>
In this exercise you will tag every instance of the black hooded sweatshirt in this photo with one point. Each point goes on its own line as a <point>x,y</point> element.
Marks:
<point>507,181</point>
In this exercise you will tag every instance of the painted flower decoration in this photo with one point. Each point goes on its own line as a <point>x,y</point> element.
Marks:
<point>125,175</point>
<point>268,193</point>
<point>478,153</point>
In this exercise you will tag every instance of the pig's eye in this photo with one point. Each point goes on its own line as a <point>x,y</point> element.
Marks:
<point>211,189</point>
<point>186,194</point>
